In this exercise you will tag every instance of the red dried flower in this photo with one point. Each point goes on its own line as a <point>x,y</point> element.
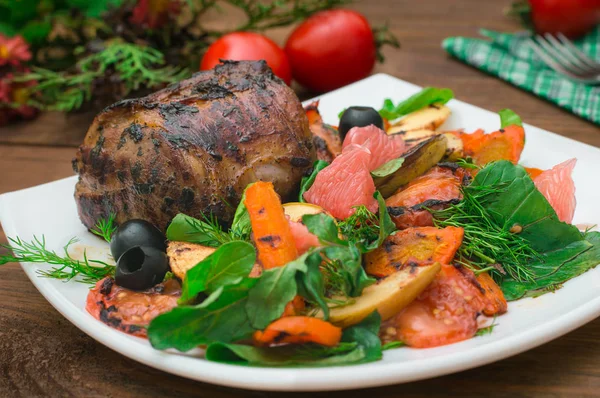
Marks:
<point>154,13</point>
<point>12,93</point>
<point>13,50</point>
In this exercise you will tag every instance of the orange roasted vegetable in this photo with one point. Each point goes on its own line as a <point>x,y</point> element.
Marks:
<point>494,300</point>
<point>413,247</point>
<point>435,189</point>
<point>506,143</point>
<point>270,227</point>
<point>299,330</point>
<point>325,137</point>
<point>533,172</point>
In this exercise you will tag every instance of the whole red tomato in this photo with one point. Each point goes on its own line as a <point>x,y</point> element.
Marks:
<point>248,46</point>
<point>573,18</point>
<point>331,49</point>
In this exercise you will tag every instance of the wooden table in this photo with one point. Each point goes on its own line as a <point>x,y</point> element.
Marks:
<point>42,354</point>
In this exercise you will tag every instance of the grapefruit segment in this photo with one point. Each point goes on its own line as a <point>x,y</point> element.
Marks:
<point>383,147</point>
<point>558,188</point>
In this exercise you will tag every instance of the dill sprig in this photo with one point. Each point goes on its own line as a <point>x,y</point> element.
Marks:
<point>105,227</point>
<point>209,227</point>
<point>89,271</point>
<point>362,226</point>
<point>486,244</point>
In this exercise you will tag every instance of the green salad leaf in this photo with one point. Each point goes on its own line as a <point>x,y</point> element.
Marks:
<point>349,269</point>
<point>311,284</point>
<point>207,232</point>
<point>307,182</point>
<point>556,268</point>
<point>426,97</point>
<point>366,335</point>
<point>241,227</point>
<point>229,263</point>
<point>509,118</point>
<point>388,168</point>
<point>324,227</point>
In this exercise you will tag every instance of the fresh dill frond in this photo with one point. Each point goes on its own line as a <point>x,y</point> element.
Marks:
<point>335,282</point>
<point>209,227</point>
<point>362,226</point>
<point>105,227</point>
<point>486,244</point>
<point>89,271</point>
<point>467,163</point>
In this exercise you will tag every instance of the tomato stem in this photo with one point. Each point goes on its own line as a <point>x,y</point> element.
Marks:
<point>383,36</point>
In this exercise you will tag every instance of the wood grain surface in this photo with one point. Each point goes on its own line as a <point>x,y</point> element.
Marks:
<point>42,354</point>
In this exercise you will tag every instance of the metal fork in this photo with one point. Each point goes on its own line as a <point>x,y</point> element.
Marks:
<point>560,54</point>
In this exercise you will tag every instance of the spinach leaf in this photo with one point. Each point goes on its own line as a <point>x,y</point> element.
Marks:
<point>366,335</point>
<point>517,202</point>
<point>386,225</point>
<point>509,118</point>
<point>349,267</point>
<point>311,284</point>
<point>556,267</point>
<point>426,97</point>
<point>307,182</point>
<point>324,227</point>
<point>223,320</point>
<point>305,355</point>
<point>206,232</point>
<point>275,288</point>
<point>388,168</point>
<point>229,263</point>
<point>241,228</point>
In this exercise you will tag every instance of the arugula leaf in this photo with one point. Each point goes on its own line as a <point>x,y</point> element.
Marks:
<point>229,263</point>
<point>305,355</point>
<point>311,284</point>
<point>307,182</point>
<point>426,97</point>
<point>223,320</point>
<point>555,268</point>
<point>275,288</point>
<point>324,227</point>
<point>366,335</point>
<point>519,203</point>
<point>388,168</point>
<point>509,118</point>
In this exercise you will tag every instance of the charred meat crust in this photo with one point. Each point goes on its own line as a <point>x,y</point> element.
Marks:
<point>193,147</point>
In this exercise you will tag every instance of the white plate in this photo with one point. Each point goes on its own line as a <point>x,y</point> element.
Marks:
<point>50,210</point>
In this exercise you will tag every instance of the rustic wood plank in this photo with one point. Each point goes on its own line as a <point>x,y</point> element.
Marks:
<point>42,354</point>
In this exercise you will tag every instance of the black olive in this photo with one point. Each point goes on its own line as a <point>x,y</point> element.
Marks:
<point>141,267</point>
<point>359,116</point>
<point>136,233</point>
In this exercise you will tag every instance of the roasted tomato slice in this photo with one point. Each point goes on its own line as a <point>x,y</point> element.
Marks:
<point>130,311</point>
<point>446,312</point>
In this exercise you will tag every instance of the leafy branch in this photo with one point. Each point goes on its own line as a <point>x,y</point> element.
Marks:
<point>90,271</point>
<point>105,228</point>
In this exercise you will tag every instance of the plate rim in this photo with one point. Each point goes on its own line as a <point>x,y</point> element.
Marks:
<point>303,379</point>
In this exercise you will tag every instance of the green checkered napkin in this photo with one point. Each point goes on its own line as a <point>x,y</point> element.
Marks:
<point>509,57</point>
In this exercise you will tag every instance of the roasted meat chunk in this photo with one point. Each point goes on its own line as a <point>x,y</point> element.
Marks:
<point>193,147</point>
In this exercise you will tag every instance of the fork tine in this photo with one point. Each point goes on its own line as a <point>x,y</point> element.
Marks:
<point>547,59</point>
<point>558,57</point>
<point>576,51</point>
<point>569,55</point>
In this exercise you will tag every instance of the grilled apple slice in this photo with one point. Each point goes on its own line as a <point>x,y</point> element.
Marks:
<point>295,210</point>
<point>454,147</point>
<point>184,256</point>
<point>389,296</point>
<point>429,118</point>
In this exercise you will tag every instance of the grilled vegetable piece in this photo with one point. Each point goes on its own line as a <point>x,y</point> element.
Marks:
<point>454,147</point>
<point>435,189</point>
<point>429,118</point>
<point>299,330</point>
<point>193,147</point>
<point>326,138</point>
<point>183,256</point>
<point>493,298</point>
<point>272,234</point>
<point>295,210</point>
<point>130,311</point>
<point>387,296</point>
<point>417,161</point>
<point>413,247</point>
<point>506,143</point>
<point>446,312</point>
<point>533,172</point>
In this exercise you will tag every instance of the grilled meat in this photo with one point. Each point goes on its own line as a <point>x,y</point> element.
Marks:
<point>193,147</point>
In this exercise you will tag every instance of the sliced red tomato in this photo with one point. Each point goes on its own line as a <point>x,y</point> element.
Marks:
<point>130,311</point>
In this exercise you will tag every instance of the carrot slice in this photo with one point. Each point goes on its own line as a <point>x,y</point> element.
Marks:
<point>299,330</point>
<point>272,234</point>
<point>533,172</point>
<point>413,247</point>
<point>495,302</point>
<point>506,143</point>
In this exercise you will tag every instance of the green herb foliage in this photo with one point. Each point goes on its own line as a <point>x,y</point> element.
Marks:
<point>207,232</point>
<point>307,182</point>
<point>105,228</point>
<point>229,264</point>
<point>509,118</point>
<point>393,344</point>
<point>388,168</point>
<point>241,228</point>
<point>311,284</point>
<point>87,271</point>
<point>366,334</point>
<point>426,97</point>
